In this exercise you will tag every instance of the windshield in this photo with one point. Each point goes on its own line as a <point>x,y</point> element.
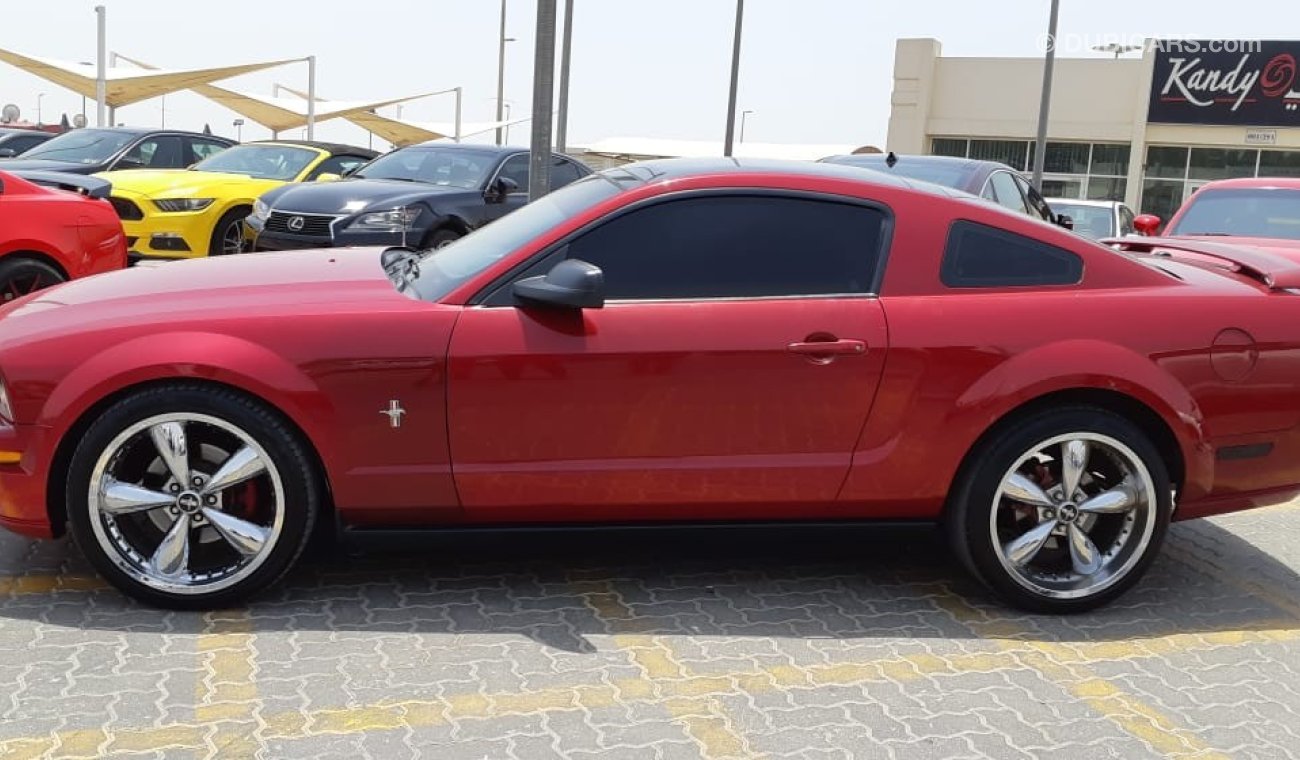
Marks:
<point>1242,212</point>
<point>281,162</point>
<point>1094,222</point>
<point>444,269</point>
<point>454,167</point>
<point>82,146</point>
<point>946,174</point>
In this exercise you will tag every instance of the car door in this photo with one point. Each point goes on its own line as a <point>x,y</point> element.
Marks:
<point>514,168</point>
<point>735,363</point>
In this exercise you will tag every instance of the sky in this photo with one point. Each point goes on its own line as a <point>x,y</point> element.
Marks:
<point>812,71</point>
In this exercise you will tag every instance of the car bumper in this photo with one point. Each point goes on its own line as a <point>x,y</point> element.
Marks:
<point>23,483</point>
<point>184,235</point>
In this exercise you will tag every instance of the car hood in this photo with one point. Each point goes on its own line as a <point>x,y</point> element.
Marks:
<point>203,291</point>
<point>41,165</point>
<point>183,183</point>
<point>352,195</point>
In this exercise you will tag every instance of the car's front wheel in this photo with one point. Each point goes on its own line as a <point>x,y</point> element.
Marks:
<point>191,496</point>
<point>228,235</point>
<point>1062,511</point>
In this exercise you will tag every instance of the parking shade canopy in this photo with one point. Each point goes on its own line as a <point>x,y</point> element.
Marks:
<point>125,86</point>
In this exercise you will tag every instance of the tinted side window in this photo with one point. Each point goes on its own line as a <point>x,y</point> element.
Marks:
<point>736,247</point>
<point>1007,192</point>
<point>986,257</point>
<point>563,171</point>
<point>516,168</point>
<point>23,143</point>
<point>1037,203</point>
<point>162,152</point>
<point>201,149</point>
<point>339,165</point>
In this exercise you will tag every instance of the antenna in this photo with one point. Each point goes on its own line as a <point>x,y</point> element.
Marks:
<point>10,113</point>
<point>891,159</point>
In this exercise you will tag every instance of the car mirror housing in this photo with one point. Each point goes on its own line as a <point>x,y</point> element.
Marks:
<point>1065,221</point>
<point>499,189</point>
<point>571,284</point>
<point>1147,224</point>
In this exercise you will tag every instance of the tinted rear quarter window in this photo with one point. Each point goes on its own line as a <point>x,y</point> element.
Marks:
<point>979,256</point>
<point>737,246</point>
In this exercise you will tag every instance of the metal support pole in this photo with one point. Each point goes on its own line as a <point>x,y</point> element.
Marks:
<point>501,70</point>
<point>101,65</point>
<point>539,172</point>
<point>735,79</point>
<point>562,118</point>
<point>311,97</point>
<point>1045,106</point>
<point>459,97</point>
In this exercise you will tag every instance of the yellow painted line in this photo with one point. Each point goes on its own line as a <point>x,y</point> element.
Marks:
<point>1060,664</point>
<point>226,692</point>
<point>46,583</point>
<point>703,716</point>
<point>1284,602</point>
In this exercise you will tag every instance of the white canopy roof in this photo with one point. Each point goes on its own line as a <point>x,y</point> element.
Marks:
<point>641,147</point>
<point>401,133</point>
<point>127,85</point>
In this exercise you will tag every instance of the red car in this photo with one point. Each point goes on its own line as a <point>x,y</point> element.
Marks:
<point>672,341</point>
<point>1261,212</point>
<point>53,228</point>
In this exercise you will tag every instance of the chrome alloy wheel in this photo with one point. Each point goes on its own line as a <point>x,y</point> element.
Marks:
<point>1073,515</point>
<point>232,238</point>
<point>186,503</point>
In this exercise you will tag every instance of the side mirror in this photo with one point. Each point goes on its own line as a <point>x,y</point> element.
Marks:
<point>571,284</point>
<point>328,177</point>
<point>1147,224</point>
<point>499,189</point>
<point>8,152</point>
<point>1065,221</point>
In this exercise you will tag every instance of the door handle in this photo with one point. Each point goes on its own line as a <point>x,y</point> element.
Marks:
<point>828,347</point>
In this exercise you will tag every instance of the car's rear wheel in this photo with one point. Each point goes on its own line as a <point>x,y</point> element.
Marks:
<point>20,275</point>
<point>1063,511</point>
<point>191,497</point>
<point>228,235</point>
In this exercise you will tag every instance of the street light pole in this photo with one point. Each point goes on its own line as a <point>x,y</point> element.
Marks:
<point>539,172</point>
<point>311,97</point>
<point>501,69</point>
<point>39,95</point>
<point>101,64</point>
<point>460,96</point>
<point>735,78</point>
<point>562,118</point>
<point>1045,106</point>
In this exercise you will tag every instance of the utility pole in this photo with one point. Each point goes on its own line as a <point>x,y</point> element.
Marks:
<point>501,69</point>
<point>101,65</point>
<point>562,119</point>
<point>735,78</point>
<point>1045,106</point>
<point>539,172</point>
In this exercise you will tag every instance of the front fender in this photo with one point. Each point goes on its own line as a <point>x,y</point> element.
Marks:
<point>181,355</point>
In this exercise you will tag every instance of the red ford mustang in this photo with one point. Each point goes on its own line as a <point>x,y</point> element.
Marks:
<point>51,235</point>
<point>666,342</point>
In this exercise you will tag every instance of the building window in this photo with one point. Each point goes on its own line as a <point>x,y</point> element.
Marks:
<point>1279,163</point>
<point>1221,163</point>
<point>1097,171</point>
<point>1174,172</point>
<point>1166,162</point>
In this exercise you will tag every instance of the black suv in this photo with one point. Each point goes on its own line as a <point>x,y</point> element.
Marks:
<point>91,150</point>
<point>424,196</point>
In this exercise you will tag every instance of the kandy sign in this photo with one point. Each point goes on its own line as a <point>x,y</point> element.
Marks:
<point>1201,82</point>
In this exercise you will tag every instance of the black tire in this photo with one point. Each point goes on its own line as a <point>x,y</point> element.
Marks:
<point>301,488</point>
<point>234,217</point>
<point>443,236</point>
<point>971,503</point>
<point>20,275</point>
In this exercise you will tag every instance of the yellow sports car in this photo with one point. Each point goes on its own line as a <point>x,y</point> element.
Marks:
<point>199,211</point>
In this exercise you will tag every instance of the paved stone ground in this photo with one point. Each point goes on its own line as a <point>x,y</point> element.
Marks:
<point>798,645</point>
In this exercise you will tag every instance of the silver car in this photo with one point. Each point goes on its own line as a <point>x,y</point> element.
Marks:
<point>1095,219</point>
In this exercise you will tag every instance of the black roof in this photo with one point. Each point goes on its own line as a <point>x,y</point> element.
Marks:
<point>968,174</point>
<point>329,147</point>
<point>150,131</point>
<point>496,150</point>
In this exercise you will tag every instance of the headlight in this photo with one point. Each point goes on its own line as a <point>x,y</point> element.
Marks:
<point>397,220</point>
<point>260,210</point>
<point>183,204</point>
<point>6,411</point>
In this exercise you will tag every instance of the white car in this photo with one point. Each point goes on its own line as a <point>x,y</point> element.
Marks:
<point>1095,219</point>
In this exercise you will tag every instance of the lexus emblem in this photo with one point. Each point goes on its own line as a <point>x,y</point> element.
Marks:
<point>296,223</point>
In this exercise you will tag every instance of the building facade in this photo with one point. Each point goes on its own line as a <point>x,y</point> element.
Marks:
<point>1148,131</point>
